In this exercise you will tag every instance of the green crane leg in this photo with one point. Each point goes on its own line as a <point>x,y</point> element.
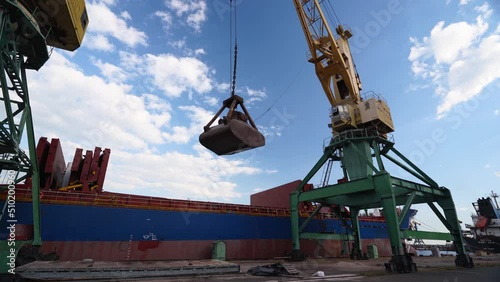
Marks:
<point>400,261</point>
<point>294,216</point>
<point>35,181</point>
<point>391,218</point>
<point>357,249</point>
<point>448,207</point>
<point>383,188</point>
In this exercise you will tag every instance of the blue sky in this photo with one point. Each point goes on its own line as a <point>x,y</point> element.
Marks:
<point>150,74</point>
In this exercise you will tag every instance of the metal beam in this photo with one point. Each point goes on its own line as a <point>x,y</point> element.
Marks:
<point>418,187</point>
<point>376,149</point>
<point>413,234</point>
<point>351,187</point>
<point>406,208</point>
<point>429,180</point>
<point>439,215</point>
<point>306,222</point>
<point>401,165</point>
<point>326,236</point>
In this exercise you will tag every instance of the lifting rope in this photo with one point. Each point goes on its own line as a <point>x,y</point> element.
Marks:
<point>236,132</point>
<point>233,82</point>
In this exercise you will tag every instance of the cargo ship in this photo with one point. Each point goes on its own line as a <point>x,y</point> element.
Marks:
<point>484,233</point>
<point>82,221</point>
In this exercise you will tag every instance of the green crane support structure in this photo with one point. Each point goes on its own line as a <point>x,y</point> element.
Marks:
<point>22,47</point>
<point>360,128</point>
<point>27,28</point>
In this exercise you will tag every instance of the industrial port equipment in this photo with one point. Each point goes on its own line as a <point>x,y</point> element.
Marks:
<point>360,127</point>
<point>27,28</point>
<point>236,131</point>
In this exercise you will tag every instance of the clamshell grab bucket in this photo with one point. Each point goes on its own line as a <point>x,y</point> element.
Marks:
<point>232,137</point>
<point>235,132</point>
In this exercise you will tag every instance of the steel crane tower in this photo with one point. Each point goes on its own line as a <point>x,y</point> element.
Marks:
<point>27,28</point>
<point>360,127</point>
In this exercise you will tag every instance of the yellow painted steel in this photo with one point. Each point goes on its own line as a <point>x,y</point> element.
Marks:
<point>64,22</point>
<point>336,71</point>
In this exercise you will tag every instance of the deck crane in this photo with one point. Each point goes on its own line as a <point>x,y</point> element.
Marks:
<point>360,126</point>
<point>27,28</point>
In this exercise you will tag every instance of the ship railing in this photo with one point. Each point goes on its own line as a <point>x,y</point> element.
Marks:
<point>144,202</point>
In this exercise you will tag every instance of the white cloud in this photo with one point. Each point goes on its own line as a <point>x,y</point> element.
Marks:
<point>199,52</point>
<point>497,112</point>
<point>148,173</point>
<point>459,59</point>
<point>197,119</point>
<point>125,15</point>
<point>464,2</point>
<point>111,72</point>
<point>176,75</point>
<point>255,95</point>
<point>192,11</point>
<point>178,43</point>
<point>106,23</point>
<point>98,42</point>
<point>132,62</point>
<point>87,111</point>
<point>222,87</point>
<point>108,2</point>
<point>212,101</point>
<point>497,173</point>
<point>166,19</point>
<point>484,9</point>
<point>487,166</point>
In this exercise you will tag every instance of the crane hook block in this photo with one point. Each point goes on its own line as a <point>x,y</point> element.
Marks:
<point>236,132</point>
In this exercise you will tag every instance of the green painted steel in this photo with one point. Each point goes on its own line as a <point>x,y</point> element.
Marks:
<point>357,161</point>
<point>407,206</point>
<point>369,185</point>
<point>413,234</point>
<point>309,218</point>
<point>19,52</point>
<point>325,236</point>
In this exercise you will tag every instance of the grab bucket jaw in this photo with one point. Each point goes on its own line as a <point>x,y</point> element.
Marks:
<point>233,137</point>
<point>233,134</point>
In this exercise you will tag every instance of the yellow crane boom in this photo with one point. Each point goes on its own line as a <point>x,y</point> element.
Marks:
<point>337,73</point>
<point>331,57</point>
